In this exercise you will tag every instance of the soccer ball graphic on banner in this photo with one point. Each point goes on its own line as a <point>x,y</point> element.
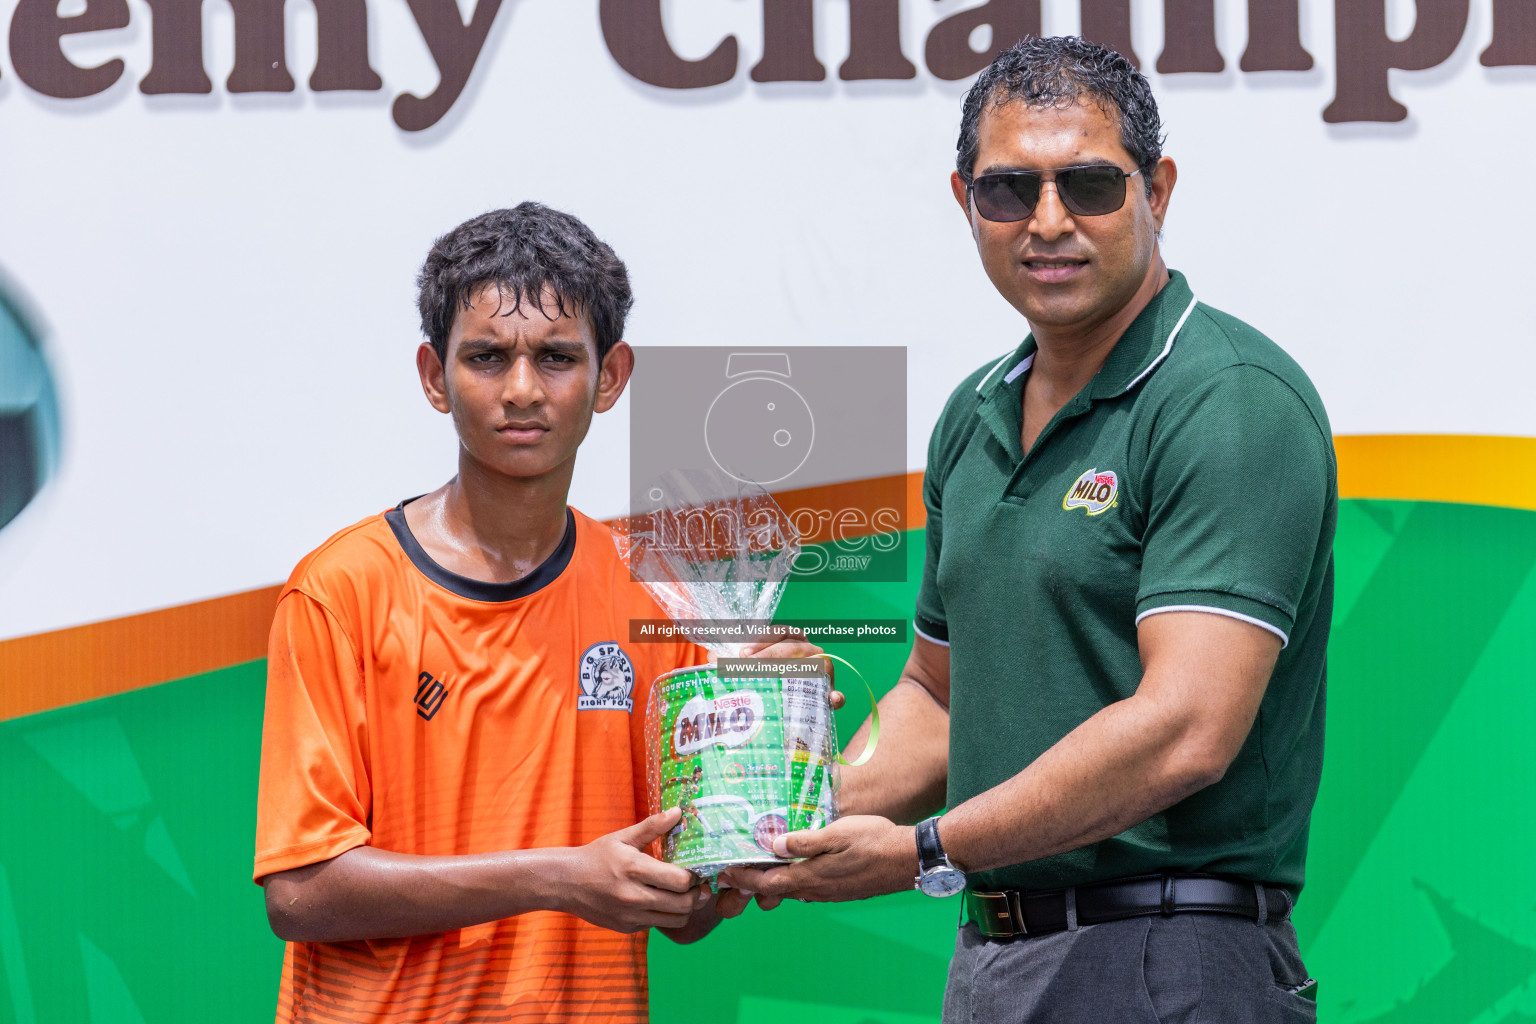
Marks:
<point>759,429</point>
<point>29,412</point>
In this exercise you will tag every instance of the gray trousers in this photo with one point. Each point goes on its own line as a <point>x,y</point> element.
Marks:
<point>1191,968</point>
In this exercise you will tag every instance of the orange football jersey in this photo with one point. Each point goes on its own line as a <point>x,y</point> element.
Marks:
<point>415,710</point>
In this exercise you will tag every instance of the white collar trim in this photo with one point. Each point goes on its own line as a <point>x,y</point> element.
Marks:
<point>1167,346</point>
<point>1024,364</point>
<point>1012,374</point>
<point>995,368</point>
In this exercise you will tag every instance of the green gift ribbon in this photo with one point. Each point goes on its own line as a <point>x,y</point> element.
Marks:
<point>874,715</point>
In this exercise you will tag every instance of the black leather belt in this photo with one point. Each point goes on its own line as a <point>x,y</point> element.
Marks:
<point>1006,915</point>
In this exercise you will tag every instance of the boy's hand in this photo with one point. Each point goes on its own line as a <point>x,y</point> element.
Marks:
<point>733,901</point>
<point>613,883</point>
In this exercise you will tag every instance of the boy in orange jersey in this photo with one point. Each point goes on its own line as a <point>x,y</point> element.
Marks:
<point>452,762</point>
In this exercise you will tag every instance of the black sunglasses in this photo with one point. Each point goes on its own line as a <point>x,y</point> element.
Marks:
<point>1091,190</point>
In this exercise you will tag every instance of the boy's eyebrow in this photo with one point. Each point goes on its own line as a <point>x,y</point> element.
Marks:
<point>496,345</point>
<point>559,345</point>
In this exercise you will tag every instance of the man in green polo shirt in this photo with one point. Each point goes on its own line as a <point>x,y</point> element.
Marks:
<point>1117,685</point>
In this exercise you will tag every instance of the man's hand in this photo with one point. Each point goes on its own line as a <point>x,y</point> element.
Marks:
<point>613,883</point>
<point>853,858</point>
<point>792,644</point>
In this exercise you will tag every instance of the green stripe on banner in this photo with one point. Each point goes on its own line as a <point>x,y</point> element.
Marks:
<point>1436,923</point>
<point>1397,662</point>
<point>757,1010</point>
<point>126,833</point>
<point>127,825</point>
<point>12,957</point>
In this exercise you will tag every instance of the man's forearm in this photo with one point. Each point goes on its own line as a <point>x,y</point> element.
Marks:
<point>1204,680</point>
<point>1120,767</point>
<point>1205,676</point>
<point>904,780</point>
<point>368,893</point>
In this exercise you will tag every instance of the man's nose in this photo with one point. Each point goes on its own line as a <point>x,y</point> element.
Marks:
<point>523,386</point>
<point>1051,219</point>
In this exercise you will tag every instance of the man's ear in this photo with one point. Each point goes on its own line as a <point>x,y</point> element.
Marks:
<point>963,197</point>
<point>434,381</point>
<point>612,377</point>
<point>1164,176</point>
<point>962,193</point>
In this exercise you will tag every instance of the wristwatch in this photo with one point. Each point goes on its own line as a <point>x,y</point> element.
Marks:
<point>936,875</point>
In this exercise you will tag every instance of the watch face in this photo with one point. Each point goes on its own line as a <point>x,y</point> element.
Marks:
<point>942,881</point>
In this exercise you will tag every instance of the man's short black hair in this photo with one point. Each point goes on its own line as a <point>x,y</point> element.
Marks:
<point>1058,71</point>
<point>525,251</point>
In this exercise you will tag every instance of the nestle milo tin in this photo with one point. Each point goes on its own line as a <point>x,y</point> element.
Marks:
<point>747,760</point>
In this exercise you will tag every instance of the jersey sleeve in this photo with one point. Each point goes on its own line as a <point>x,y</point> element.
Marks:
<point>314,797</point>
<point>1239,479</point>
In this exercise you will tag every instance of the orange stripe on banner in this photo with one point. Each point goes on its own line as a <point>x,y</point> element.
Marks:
<point>67,666</point>
<point>51,670</point>
<point>849,510</point>
<point>1457,468</point>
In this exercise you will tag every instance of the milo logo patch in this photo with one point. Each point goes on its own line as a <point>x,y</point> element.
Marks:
<point>1093,491</point>
<point>729,720</point>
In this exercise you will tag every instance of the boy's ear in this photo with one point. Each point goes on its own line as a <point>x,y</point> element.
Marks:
<point>434,382</point>
<point>613,375</point>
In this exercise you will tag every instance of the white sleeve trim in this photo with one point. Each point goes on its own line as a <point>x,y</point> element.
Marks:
<point>1284,640</point>
<point>925,636</point>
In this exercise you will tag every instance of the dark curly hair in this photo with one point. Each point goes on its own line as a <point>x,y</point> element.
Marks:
<point>1059,71</point>
<point>525,251</point>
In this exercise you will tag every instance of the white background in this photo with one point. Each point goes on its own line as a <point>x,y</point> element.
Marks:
<point>226,282</point>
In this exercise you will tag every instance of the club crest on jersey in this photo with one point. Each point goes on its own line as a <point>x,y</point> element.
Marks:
<point>1093,491</point>
<point>607,679</point>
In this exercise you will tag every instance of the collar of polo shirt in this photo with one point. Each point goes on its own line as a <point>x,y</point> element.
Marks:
<point>1138,353</point>
<point>1143,346</point>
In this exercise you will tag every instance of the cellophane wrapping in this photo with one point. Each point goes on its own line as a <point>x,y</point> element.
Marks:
<point>746,759</point>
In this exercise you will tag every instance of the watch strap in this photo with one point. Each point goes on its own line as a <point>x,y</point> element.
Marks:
<point>930,852</point>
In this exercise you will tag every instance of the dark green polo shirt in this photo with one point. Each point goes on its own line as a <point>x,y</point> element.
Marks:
<point>1195,471</point>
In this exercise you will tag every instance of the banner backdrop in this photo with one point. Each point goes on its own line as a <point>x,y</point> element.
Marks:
<point>223,271</point>
<point>211,217</point>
